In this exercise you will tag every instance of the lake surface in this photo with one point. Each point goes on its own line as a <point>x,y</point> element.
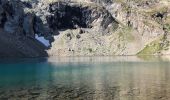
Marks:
<point>85,78</point>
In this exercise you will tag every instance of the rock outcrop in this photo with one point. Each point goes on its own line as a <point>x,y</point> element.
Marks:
<point>84,28</point>
<point>17,32</point>
<point>73,15</point>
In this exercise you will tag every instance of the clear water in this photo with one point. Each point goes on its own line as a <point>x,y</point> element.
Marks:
<point>121,78</point>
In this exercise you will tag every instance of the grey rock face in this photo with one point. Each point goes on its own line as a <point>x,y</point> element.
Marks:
<point>17,32</point>
<point>73,15</point>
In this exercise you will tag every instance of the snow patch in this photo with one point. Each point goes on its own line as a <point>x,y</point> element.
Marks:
<point>42,40</point>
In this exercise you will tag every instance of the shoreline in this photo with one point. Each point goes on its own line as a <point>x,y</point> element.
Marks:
<point>66,59</point>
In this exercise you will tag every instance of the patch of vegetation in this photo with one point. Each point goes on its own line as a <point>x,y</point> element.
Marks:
<point>167,24</point>
<point>154,10</point>
<point>149,57</point>
<point>167,27</point>
<point>154,47</point>
<point>90,50</point>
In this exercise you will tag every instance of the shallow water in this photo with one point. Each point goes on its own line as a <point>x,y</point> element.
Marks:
<point>85,78</point>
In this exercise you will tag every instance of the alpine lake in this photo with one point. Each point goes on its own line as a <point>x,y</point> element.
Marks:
<point>86,78</point>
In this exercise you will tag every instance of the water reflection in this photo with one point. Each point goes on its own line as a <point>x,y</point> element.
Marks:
<point>83,79</point>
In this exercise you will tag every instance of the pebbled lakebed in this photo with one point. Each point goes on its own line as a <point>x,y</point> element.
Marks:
<point>85,78</point>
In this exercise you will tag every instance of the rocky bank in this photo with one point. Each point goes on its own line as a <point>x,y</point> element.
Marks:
<point>84,27</point>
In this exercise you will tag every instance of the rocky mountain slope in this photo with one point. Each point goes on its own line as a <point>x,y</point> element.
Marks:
<point>84,27</point>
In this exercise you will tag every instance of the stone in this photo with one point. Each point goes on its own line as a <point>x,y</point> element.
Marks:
<point>78,36</point>
<point>34,92</point>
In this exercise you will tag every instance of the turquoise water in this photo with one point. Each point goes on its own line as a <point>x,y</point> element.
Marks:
<point>85,78</point>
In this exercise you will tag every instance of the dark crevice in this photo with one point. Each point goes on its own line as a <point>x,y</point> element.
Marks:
<point>159,15</point>
<point>3,19</point>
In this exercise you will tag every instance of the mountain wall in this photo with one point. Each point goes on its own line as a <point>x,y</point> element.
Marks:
<point>84,27</point>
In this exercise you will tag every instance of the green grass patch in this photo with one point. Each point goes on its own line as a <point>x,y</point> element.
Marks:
<point>154,47</point>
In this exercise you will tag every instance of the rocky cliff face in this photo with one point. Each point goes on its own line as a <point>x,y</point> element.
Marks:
<point>84,27</point>
<point>17,32</point>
